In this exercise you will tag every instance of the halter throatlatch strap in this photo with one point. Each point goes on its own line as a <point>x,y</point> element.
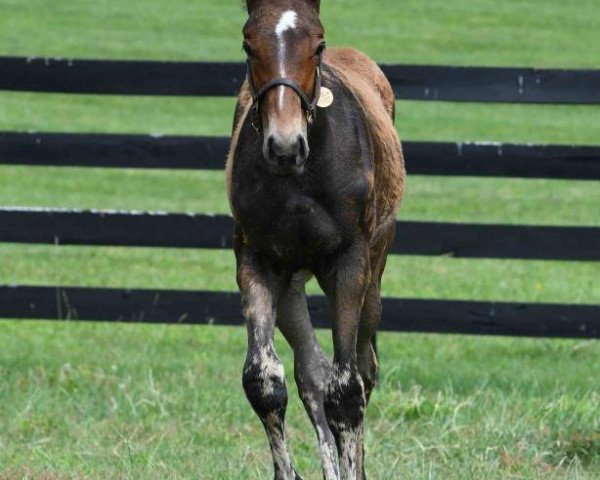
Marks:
<point>308,105</point>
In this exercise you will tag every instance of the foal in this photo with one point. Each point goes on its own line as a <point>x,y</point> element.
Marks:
<point>315,175</point>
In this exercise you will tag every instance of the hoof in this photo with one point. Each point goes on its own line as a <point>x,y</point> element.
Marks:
<point>296,476</point>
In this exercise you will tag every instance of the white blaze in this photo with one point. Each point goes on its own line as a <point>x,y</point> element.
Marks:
<point>286,22</point>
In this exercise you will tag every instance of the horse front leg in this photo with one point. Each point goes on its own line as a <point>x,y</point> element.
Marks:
<point>345,282</point>
<point>263,378</point>
<point>311,367</point>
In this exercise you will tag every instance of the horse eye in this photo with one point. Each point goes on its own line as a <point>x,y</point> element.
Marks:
<point>247,49</point>
<point>320,49</point>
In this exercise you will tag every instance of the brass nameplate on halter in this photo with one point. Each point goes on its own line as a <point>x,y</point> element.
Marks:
<point>326,98</point>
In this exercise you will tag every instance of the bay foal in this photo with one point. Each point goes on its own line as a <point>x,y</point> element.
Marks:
<point>315,176</point>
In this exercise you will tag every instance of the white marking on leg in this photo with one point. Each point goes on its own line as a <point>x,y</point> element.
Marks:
<point>328,457</point>
<point>340,376</point>
<point>327,451</point>
<point>259,305</point>
<point>344,377</point>
<point>281,457</point>
<point>311,403</point>
<point>348,460</point>
<point>270,366</point>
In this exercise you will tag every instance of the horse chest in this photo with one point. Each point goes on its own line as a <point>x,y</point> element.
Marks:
<point>285,222</point>
<point>301,219</point>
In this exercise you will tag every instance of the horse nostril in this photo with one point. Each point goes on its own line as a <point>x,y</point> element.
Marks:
<point>302,148</point>
<point>271,147</point>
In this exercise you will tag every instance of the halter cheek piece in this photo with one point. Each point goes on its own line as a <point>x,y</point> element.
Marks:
<point>308,105</point>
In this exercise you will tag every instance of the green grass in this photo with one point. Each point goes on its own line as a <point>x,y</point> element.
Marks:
<point>439,121</point>
<point>483,200</point>
<point>164,402</point>
<point>406,276</point>
<point>159,402</point>
<point>514,32</point>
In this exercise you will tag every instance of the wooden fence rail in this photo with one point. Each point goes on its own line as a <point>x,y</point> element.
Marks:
<point>156,229</point>
<point>159,229</point>
<point>413,82</point>
<point>187,152</point>
<point>222,308</point>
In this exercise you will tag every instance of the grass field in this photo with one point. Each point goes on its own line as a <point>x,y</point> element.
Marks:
<point>157,402</point>
<point>529,33</point>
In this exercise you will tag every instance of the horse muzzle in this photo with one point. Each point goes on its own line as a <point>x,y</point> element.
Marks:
<point>286,155</point>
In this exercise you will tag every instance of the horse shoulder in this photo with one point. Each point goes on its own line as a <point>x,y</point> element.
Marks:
<point>376,98</point>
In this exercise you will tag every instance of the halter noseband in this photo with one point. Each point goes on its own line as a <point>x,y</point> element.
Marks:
<point>308,105</point>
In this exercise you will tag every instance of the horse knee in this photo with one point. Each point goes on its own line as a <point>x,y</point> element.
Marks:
<point>345,399</point>
<point>264,383</point>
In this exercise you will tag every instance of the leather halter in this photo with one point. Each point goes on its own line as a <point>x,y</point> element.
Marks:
<point>308,105</point>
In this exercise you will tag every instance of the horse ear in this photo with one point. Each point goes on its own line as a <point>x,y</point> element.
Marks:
<point>251,5</point>
<point>316,4</point>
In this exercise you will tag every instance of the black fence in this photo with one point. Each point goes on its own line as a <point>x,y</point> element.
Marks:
<point>157,229</point>
<point>485,159</point>
<point>223,308</point>
<point>410,82</point>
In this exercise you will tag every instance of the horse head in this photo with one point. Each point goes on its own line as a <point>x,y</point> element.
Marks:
<point>284,43</point>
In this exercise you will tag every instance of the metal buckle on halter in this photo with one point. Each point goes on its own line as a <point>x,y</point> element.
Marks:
<point>309,117</point>
<point>256,118</point>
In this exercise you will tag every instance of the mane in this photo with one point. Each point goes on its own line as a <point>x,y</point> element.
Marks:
<point>365,80</point>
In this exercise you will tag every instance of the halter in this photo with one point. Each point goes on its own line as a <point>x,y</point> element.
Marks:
<point>308,105</point>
